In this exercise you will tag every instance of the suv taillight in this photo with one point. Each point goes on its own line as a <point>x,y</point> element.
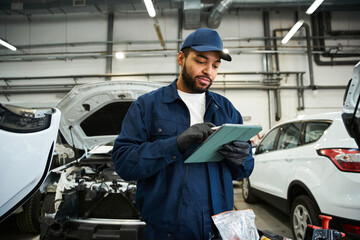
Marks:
<point>345,159</point>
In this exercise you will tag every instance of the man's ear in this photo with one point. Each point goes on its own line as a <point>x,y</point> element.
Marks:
<point>181,58</point>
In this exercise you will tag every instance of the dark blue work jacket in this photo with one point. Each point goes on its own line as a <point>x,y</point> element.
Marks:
<point>146,151</point>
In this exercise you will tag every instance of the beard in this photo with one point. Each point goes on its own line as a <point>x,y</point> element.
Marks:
<point>191,82</point>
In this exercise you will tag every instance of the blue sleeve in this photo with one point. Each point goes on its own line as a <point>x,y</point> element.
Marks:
<point>134,156</point>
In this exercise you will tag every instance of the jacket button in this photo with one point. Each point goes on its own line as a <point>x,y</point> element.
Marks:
<point>169,235</point>
<point>173,157</point>
<point>159,130</point>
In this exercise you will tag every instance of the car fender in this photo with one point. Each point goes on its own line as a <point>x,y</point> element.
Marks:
<point>297,188</point>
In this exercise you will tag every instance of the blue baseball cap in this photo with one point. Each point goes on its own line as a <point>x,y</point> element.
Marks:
<point>206,40</point>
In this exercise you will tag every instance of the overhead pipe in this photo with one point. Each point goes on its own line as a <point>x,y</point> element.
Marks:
<point>19,89</point>
<point>318,30</point>
<point>299,79</point>
<point>142,42</point>
<point>300,91</point>
<point>140,75</point>
<point>329,31</point>
<point>26,89</point>
<point>309,51</point>
<point>217,13</point>
<point>268,64</point>
<point>109,45</point>
<point>275,38</point>
<point>63,7</point>
<point>309,54</point>
<point>278,112</point>
<point>180,36</point>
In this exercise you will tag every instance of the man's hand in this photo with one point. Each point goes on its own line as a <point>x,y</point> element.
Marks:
<point>195,134</point>
<point>235,152</point>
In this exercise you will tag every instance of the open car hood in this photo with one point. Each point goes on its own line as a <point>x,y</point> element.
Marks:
<point>351,111</point>
<point>92,113</point>
<point>27,140</point>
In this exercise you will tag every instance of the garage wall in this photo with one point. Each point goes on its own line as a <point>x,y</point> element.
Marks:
<point>136,32</point>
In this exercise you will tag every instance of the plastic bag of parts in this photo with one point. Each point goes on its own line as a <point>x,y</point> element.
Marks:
<point>236,225</point>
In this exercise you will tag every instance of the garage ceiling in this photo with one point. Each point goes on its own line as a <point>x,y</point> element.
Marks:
<point>24,7</point>
<point>193,12</point>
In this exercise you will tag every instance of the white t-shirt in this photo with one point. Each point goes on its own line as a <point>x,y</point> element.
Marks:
<point>195,102</point>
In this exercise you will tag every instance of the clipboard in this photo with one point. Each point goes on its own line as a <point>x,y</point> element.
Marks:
<point>208,150</point>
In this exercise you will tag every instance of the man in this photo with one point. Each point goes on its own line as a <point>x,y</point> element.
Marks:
<point>162,128</point>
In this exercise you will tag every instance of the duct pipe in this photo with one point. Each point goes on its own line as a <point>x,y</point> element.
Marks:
<point>192,14</point>
<point>217,13</point>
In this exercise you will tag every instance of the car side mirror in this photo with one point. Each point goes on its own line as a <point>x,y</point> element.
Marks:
<point>351,112</point>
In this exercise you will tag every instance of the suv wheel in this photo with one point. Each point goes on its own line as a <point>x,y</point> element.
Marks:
<point>28,221</point>
<point>248,196</point>
<point>303,212</point>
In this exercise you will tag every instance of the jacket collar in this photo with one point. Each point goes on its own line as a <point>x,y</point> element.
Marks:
<point>171,94</point>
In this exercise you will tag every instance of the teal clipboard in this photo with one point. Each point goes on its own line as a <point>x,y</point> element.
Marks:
<point>208,150</point>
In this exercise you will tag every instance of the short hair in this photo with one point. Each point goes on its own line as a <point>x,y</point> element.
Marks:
<point>186,51</point>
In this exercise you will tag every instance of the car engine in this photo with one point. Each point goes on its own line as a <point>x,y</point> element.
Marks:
<point>77,200</point>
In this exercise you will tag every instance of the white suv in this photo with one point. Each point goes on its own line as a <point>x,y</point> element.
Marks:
<point>311,166</point>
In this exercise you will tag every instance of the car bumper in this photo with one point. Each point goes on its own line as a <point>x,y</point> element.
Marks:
<point>93,228</point>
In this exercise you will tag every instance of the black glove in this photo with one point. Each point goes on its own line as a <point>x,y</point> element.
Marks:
<point>195,134</point>
<point>235,152</point>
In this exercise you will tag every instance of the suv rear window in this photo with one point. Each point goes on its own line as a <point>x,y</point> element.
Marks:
<point>314,130</point>
<point>107,120</point>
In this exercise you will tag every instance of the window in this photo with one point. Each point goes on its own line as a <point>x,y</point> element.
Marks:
<point>289,135</point>
<point>267,144</point>
<point>314,130</point>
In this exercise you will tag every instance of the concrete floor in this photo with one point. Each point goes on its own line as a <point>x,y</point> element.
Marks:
<point>267,218</point>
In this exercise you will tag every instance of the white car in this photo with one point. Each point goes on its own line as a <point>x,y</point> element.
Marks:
<point>86,199</point>
<point>311,166</point>
<point>27,143</point>
<point>80,199</point>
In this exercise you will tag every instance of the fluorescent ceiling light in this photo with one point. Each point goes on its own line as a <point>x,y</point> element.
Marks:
<point>150,8</point>
<point>314,6</point>
<point>8,45</point>
<point>292,31</point>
